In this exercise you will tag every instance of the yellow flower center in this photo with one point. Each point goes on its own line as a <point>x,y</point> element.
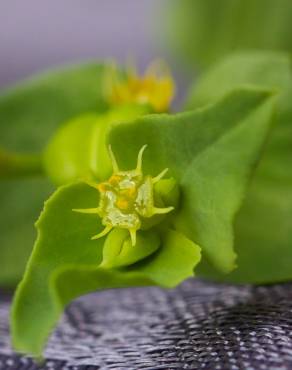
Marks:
<point>155,88</point>
<point>126,198</point>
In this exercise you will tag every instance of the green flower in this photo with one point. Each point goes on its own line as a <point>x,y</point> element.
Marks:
<point>127,199</point>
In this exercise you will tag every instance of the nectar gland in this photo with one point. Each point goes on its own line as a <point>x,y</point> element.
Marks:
<point>126,198</point>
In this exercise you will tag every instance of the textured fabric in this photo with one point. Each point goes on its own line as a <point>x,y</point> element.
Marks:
<point>199,325</point>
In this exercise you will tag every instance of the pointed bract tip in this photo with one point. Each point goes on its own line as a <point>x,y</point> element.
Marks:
<point>87,210</point>
<point>159,176</point>
<point>162,211</point>
<point>113,159</point>
<point>140,158</point>
<point>105,231</point>
<point>133,236</point>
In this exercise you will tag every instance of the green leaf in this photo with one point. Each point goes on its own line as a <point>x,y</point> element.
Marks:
<point>78,150</point>
<point>263,229</point>
<point>262,69</point>
<point>65,264</point>
<point>211,152</point>
<point>201,31</point>
<point>29,114</point>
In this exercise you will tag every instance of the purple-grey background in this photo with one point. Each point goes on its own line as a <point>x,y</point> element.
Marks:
<point>37,34</point>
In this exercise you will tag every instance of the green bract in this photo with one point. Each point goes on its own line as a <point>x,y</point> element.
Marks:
<point>263,229</point>
<point>29,115</point>
<point>78,148</point>
<point>210,153</point>
<point>66,263</point>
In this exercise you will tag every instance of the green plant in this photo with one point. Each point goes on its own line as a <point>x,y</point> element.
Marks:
<point>119,220</point>
<point>29,115</point>
<point>202,31</point>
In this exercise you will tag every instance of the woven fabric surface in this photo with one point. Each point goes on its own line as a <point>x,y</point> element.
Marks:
<point>198,325</point>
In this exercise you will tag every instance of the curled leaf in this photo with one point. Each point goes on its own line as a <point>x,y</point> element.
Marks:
<point>118,250</point>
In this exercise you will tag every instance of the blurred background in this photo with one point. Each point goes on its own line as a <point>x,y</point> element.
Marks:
<point>189,34</point>
<point>35,35</point>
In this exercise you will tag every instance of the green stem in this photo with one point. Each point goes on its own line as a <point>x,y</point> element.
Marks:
<point>19,165</point>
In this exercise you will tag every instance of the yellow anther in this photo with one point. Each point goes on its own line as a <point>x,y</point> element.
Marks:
<point>114,179</point>
<point>122,204</point>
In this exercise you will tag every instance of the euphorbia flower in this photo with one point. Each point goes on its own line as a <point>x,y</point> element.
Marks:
<point>127,200</point>
<point>148,230</point>
<point>155,88</point>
